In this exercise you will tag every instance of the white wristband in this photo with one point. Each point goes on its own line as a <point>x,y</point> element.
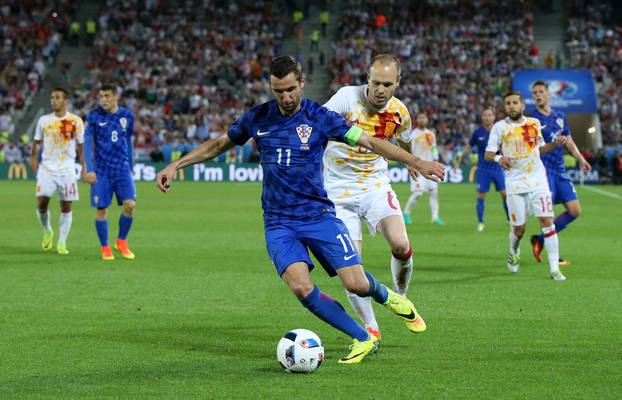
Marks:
<point>497,158</point>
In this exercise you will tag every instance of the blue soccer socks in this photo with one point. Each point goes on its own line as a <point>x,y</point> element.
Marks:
<point>102,231</point>
<point>330,311</point>
<point>480,210</point>
<point>125,223</point>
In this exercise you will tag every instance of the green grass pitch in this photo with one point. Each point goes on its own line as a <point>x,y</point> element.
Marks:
<point>198,314</point>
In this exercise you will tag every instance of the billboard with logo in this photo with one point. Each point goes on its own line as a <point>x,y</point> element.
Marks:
<point>246,172</point>
<point>570,90</point>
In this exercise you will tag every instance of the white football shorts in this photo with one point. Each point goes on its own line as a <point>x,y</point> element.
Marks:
<point>422,184</point>
<point>371,206</point>
<point>521,205</point>
<point>66,184</point>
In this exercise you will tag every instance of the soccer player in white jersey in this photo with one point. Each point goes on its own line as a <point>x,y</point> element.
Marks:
<point>423,142</point>
<point>356,179</point>
<point>62,135</point>
<point>519,138</point>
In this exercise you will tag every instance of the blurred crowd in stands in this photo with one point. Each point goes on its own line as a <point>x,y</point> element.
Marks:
<point>188,77</point>
<point>457,57</point>
<point>594,41</point>
<point>30,38</point>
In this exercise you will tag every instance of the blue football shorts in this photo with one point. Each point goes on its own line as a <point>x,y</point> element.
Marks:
<point>105,186</point>
<point>289,241</point>
<point>561,187</point>
<point>485,177</point>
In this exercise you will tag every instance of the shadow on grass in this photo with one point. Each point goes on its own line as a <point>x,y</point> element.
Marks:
<point>12,250</point>
<point>214,340</point>
<point>211,353</point>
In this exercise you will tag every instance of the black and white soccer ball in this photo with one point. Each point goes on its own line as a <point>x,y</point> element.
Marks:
<point>300,350</point>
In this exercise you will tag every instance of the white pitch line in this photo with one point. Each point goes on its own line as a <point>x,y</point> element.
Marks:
<point>603,192</point>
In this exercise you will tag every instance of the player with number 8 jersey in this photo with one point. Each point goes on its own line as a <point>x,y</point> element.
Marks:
<point>108,154</point>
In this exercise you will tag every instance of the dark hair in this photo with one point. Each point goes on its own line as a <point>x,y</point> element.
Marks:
<point>108,86</point>
<point>387,58</point>
<point>489,108</point>
<point>539,83</point>
<point>62,90</point>
<point>520,96</point>
<point>285,65</point>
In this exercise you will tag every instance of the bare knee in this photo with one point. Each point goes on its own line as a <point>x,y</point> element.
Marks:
<point>300,289</point>
<point>400,246</point>
<point>358,284</point>
<point>519,231</point>
<point>574,208</point>
<point>42,204</point>
<point>101,213</point>
<point>545,222</point>
<point>65,207</point>
<point>128,208</point>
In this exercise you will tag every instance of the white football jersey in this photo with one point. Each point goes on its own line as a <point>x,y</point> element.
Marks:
<point>352,170</point>
<point>423,141</point>
<point>520,142</point>
<point>59,136</point>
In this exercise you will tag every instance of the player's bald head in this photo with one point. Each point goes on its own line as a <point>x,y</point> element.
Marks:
<point>383,78</point>
<point>386,63</point>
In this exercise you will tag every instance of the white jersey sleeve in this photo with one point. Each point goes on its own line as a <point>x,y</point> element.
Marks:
<point>79,131</point>
<point>494,138</point>
<point>39,130</point>
<point>339,102</point>
<point>541,141</point>
<point>404,132</point>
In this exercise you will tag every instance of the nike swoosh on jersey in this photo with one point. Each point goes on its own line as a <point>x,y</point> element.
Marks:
<point>349,257</point>
<point>543,126</point>
<point>260,133</point>
<point>103,123</point>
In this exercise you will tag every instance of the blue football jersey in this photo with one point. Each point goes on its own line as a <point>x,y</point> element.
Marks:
<point>108,147</point>
<point>552,125</point>
<point>479,140</point>
<point>291,150</point>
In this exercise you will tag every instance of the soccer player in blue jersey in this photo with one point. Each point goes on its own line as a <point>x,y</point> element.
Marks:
<point>291,135</point>
<point>108,153</point>
<point>487,172</point>
<point>554,123</point>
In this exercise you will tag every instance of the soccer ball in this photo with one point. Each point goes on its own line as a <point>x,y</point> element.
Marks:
<point>300,350</point>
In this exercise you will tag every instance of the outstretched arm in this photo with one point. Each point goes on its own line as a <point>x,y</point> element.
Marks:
<point>34,153</point>
<point>204,152</point>
<point>467,150</point>
<point>429,169</point>
<point>560,141</point>
<point>80,151</point>
<point>89,150</point>
<point>408,148</point>
<point>130,143</point>
<point>574,151</point>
